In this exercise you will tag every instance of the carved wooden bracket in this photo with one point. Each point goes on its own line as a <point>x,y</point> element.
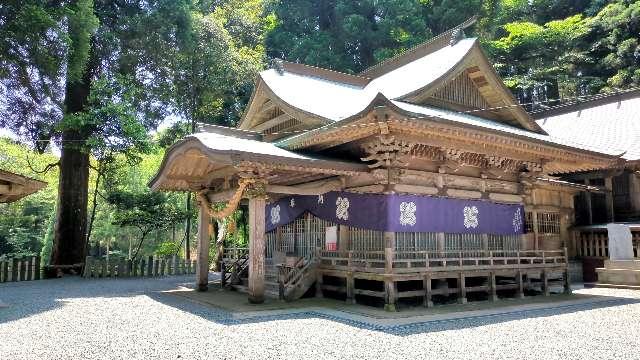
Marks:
<point>387,152</point>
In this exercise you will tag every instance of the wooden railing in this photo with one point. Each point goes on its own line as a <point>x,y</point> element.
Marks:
<point>420,261</point>
<point>291,277</point>
<point>234,252</point>
<point>595,243</point>
<point>20,269</point>
<point>137,268</point>
<point>232,268</point>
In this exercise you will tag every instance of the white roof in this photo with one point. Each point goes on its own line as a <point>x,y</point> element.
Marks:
<point>611,126</point>
<point>469,119</point>
<point>336,101</point>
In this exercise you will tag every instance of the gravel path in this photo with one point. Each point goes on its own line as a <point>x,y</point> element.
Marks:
<point>117,319</point>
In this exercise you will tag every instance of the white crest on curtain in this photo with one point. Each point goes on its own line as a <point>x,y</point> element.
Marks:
<point>292,203</point>
<point>275,214</point>
<point>517,221</point>
<point>408,213</point>
<point>321,199</point>
<point>342,208</point>
<point>471,217</point>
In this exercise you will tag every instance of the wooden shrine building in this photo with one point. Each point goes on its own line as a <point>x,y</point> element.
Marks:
<point>419,178</point>
<point>14,187</point>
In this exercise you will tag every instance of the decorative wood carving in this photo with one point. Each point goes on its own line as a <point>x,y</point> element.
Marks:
<point>387,152</point>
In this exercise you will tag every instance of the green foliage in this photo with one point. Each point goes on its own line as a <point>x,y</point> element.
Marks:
<point>344,35</point>
<point>81,24</point>
<point>218,63</point>
<point>23,224</point>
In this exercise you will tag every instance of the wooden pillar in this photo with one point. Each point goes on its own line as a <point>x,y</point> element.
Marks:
<point>204,242</point>
<point>567,279</point>
<point>256,249</point>
<point>351,299</point>
<point>520,285</point>
<point>545,283</point>
<point>536,238</point>
<point>493,296</point>
<point>462,299</point>
<point>391,294</point>
<point>588,201</point>
<point>389,251</point>
<point>426,285</point>
<point>608,185</point>
<point>345,240</point>
<point>319,280</point>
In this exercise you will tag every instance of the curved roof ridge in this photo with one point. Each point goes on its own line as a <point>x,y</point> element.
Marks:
<point>326,74</point>
<point>423,49</point>
<point>582,102</point>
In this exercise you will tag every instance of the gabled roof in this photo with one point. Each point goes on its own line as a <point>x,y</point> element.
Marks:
<point>13,187</point>
<point>604,121</point>
<point>328,96</point>
<point>466,120</point>
<point>217,151</point>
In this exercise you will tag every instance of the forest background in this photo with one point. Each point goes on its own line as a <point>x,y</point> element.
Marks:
<point>112,84</point>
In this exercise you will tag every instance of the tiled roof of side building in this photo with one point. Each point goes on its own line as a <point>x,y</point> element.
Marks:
<point>606,122</point>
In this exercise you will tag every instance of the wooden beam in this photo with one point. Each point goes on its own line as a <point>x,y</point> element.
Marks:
<point>204,240</point>
<point>256,249</point>
<point>271,123</point>
<point>312,188</point>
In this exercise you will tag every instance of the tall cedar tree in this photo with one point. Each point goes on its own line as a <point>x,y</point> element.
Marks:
<point>100,55</point>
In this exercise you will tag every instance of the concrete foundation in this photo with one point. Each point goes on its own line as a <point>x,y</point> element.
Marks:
<point>619,272</point>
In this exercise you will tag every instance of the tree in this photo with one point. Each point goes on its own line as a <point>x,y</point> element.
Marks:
<point>86,48</point>
<point>344,35</point>
<point>216,68</point>
<point>145,211</point>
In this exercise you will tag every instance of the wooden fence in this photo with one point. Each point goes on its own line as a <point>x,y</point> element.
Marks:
<point>595,243</point>
<point>20,269</point>
<point>98,268</point>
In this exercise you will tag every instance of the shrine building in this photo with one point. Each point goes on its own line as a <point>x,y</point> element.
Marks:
<point>419,179</point>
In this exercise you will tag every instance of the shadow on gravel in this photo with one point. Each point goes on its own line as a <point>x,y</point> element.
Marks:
<point>29,298</point>
<point>224,317</point>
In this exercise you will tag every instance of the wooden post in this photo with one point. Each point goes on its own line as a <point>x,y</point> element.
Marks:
<point>142,267</point>
<point>319,280</point>
<point>4,271</point>
<point>150,264</point>
<point>545,283</point>
<point>520,294</point>
<point>204,242</point>
<point>463,289</point>
<point>256,249</point>
<point>426,284</point>
<point>14,269</point>
<point>351,299</point>
<point>391,294</point>
<point>389,251</point>
<point>567,279</point>
<point>344,242</point>
<point>493,296</point>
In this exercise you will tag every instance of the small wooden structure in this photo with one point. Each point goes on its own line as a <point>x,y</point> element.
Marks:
<point>432,126</point>
<point>14,187</point>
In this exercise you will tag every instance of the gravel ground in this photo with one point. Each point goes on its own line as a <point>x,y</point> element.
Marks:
<point>122,319</point>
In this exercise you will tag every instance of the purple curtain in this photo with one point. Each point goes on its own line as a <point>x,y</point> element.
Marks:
<point>401,213</point>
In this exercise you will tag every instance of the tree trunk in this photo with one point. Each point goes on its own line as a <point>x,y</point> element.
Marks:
<point>69,242</point>
<point>71,220</point>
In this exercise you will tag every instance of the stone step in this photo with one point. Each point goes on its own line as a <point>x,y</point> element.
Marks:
<point>618,276</point>
<point>622,264</point>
